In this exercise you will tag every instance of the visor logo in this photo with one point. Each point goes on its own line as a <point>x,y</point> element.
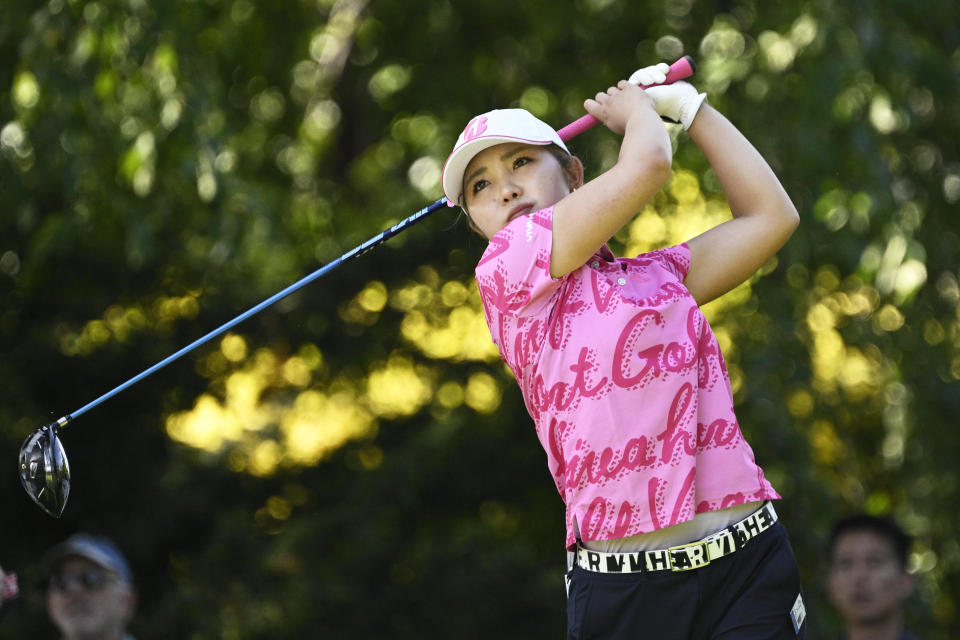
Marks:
<point>474,128</point>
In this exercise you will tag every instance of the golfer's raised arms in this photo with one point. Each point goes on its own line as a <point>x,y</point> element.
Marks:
<point>591,215</point>
<point>763,215</point>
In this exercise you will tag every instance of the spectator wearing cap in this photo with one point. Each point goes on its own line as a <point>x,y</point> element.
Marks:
<point>90,591</point>
<point>867,580</point>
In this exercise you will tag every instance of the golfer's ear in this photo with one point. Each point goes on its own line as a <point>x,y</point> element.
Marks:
<point>574,171</point>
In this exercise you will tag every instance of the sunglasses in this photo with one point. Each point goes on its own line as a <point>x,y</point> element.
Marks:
<point>88,580</point>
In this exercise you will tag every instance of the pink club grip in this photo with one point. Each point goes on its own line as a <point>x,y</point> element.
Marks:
<point>682,68</point>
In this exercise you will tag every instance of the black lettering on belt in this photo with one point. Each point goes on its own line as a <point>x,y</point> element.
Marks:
<point>727,544</point>
<point>746,530</point>
<point>697,556</point>
<point>615,563</point>
<point>681,560</point>
<point>765,517</point>
<point>658,560</point>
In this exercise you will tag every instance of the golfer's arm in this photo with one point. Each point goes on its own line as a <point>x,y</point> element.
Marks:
<point>587,218</point>
<point>763,215</point>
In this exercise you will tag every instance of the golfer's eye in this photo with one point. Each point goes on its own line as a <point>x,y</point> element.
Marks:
<point>478,186</point>
<point>522,160</point>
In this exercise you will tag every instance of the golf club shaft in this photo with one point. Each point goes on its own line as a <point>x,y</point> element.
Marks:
<point>680,69</point>
<point>353,253</point>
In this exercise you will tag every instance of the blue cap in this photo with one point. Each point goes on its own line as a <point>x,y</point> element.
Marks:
<point>96,549</point>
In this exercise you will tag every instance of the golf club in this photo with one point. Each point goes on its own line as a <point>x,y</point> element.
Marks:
<point>44,470</point>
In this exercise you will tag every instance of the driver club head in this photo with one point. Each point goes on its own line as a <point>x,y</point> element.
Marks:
<point>44,470</point>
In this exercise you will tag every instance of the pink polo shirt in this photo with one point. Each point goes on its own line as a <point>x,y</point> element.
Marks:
<point>624,380</point>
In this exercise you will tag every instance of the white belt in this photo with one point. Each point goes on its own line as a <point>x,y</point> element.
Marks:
<point>684,557</point>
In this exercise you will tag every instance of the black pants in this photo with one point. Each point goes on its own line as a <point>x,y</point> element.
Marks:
<point>748,595</point>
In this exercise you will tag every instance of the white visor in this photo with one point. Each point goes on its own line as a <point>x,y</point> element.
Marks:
<point>492,128</point>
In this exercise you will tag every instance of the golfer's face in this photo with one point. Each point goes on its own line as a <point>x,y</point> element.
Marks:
<point>510,180</point>
<point>86,600</point>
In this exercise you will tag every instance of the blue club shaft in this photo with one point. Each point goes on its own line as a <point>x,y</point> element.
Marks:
<point>353,253</point>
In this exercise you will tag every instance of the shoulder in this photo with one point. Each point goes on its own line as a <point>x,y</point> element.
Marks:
<point>675,259</point>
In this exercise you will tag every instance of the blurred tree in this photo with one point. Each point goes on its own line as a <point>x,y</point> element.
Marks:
<point>355,462</point>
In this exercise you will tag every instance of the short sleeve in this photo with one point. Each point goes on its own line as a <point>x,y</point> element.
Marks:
<point>513,274</point>
<point>675,259</point>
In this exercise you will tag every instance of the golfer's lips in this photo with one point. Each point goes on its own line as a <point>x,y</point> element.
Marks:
<point>519,210</point>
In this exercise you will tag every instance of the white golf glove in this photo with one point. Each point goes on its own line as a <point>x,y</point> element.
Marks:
<point>677,103</point>
<point>654,74</point>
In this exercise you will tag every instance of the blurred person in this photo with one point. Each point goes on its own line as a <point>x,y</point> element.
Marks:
<point>867,578</point>
<point>90,591</point>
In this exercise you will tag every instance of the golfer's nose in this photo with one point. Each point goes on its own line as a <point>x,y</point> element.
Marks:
<point>510,191</point>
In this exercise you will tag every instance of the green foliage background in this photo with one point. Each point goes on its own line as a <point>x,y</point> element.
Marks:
<point>164,166</point>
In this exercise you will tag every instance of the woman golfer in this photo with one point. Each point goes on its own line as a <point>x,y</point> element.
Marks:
<point>668,521</point>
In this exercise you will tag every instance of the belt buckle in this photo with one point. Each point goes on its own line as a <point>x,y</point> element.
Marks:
<point>693,555</point>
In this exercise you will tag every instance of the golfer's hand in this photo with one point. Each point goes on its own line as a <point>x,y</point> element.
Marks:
<point>677,103</point>
<point>617,105</point>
